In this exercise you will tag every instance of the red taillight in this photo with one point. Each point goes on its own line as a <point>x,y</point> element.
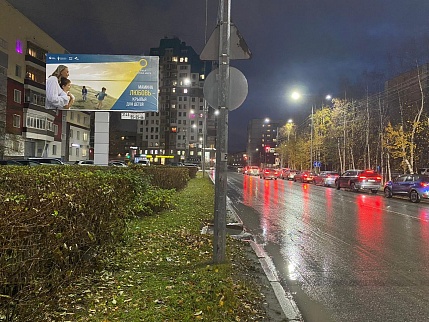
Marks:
<point>424,184</point>
<point>378,178</point>
<point>305,175</point>
<point>361,177</point>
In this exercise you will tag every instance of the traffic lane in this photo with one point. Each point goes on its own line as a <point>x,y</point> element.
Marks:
<point>356,254</point>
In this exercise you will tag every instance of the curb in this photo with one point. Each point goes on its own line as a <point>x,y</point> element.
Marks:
<point>288,305</point>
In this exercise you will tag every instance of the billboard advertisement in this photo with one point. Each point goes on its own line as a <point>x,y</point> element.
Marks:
<point>120,83</point>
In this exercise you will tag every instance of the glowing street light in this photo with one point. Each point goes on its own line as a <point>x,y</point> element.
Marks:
<point>297,96</point>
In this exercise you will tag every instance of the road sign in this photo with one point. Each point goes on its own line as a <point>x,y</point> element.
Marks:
<point>238,89</point>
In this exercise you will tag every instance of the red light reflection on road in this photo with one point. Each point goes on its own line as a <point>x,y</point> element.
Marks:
<point>329,211</point>
<point>370,234</point>
<point>424,233</point>
<point>248,190</point>
<point>305,200</point>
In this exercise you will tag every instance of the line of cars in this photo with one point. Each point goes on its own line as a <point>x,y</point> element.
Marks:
<point>35,161</point>
<point>413,186</point>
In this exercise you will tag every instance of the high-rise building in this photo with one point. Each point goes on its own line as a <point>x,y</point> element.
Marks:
<point>184,126</point>
<point>262,141</point>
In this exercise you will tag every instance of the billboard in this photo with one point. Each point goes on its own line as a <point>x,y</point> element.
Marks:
<point>120,83</point>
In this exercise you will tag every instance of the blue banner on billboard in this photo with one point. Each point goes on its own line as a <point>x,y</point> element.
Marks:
<point>120,83</point>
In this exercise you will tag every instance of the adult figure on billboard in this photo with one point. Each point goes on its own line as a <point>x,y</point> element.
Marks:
<point>55,96</point>
<point>100,96</point>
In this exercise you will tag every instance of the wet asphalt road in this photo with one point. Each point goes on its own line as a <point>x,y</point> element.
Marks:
<point>344,256</point>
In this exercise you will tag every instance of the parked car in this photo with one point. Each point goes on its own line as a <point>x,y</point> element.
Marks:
<point>424,171</point>
<point>117,164</point>
<point>304,176</point>
<point>9,162</point>
<point>291,174</point>
<point>30,163</point>
<point>413,186</point>
<point>359,180</point>
<point>84,162</point>
<point>326,178</point>
<point>269,173</point>
<point>147,163</point>
<point>283,173</point>
<point>50,161</point>
<point>252,170</point>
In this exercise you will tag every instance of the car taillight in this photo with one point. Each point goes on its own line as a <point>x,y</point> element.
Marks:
<point>361,177</point>
<point>424,184</point>
<point>378,178</point>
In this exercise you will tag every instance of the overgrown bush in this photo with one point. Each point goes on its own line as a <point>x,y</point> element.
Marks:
<point>57,221</point>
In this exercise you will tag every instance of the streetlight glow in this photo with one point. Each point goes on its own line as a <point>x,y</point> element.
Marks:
<point>295,95</point>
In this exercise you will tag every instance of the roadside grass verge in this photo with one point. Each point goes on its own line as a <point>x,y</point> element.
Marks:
<point>163,271</point>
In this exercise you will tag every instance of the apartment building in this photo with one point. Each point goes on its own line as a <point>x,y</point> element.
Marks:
<point>184,128</point>
<point>26,127</point>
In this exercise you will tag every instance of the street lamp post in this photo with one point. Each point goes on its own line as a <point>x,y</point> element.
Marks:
<point>296,96</point>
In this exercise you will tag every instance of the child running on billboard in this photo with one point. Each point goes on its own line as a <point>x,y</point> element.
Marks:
<point>100,96</point>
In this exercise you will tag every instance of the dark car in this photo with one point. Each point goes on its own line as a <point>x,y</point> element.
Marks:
<point>356,180</point>
<point>304,176</point>
<point>50,161</point>
<point>30,163</point>
<point>269,173</point>
<point>413,186</point>
<point>9,162</point>
<point>326,178</point>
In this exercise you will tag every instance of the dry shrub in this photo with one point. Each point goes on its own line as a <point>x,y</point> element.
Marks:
<point>55,222</point>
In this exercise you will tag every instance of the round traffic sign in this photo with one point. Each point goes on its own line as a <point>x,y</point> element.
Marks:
<point>238,89</point>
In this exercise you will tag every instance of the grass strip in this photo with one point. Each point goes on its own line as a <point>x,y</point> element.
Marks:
<point>163,272</point>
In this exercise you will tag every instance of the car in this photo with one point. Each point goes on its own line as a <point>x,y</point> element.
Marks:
<point>283,173</point>
<point>84,162</point>
<point>145,163</point>
<point>424,171</point>
<point>326,178</point>
<point>413,186</point>
<point>269,173</point>
<point>117,164</point>
<point>240,169</point>
<point>252,170</point>
<point>304,176</point>
<point>9,162</point>
<point>30,163</point>
<point>50,161</point>
<point>356,180</point>
<point>291,174</point>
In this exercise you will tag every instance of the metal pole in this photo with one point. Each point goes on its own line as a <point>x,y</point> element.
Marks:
<point>219,235</point>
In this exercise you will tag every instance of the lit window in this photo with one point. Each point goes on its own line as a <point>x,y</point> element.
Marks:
<point>185,90</point>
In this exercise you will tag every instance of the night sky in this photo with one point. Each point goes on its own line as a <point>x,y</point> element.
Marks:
<point>342,48</point>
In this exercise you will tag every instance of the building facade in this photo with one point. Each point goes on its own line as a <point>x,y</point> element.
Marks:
<point>26,127</point>
<point>184,127</point>
<point>262,141</point>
